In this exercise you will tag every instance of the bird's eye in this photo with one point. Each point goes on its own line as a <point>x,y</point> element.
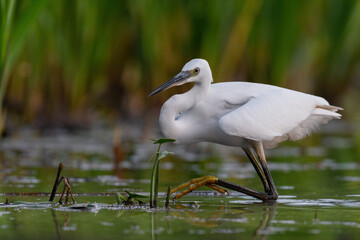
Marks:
<point>196,70</point>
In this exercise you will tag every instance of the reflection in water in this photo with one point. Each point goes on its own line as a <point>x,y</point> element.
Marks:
<point>221,216</point>
<point>263,229</point>
<point>153,226</point>
<point>197,217</point>
<point>58,225</point>
<point>223,220</point>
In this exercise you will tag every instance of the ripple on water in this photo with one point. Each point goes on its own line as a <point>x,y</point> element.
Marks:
<point>284,221</point>
<point>353,195</point>
<point>286,196</point>
<point>21,179</point>
<point>350,178</point>
<point>352,224</point>
<point>70,228</point>
<point>227,231</point>
<point>4,213</point>
<point>319,202</point>
<point>286,187</point>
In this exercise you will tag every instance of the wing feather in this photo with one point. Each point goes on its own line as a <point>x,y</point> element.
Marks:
<point>278,115</point>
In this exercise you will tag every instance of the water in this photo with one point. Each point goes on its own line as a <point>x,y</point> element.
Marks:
<point>318,181</point>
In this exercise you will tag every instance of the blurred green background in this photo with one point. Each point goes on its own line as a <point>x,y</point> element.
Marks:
<point>70,63</point>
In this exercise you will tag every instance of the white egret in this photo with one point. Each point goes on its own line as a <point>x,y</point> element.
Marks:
<point>241,114</point>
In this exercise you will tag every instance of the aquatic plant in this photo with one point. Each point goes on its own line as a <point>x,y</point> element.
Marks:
<point>167,201</point>
<point>6,10</point>
<point>66,188</point>
<point>16,19</point>
<point>155,171</point>
<point>120,199</point>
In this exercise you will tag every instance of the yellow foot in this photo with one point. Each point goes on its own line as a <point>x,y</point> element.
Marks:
<point>193,184</point>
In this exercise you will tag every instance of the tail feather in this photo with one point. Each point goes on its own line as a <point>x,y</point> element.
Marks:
<point>328,110</point>
<point>330,107</point>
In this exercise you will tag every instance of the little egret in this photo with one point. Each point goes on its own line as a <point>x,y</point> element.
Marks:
<point>241,114</point>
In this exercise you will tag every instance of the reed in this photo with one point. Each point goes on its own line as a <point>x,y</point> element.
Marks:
<point>72,57</point>
<point>6,10</point>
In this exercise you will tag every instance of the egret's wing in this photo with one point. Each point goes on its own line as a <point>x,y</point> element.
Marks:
<point>274,114</point>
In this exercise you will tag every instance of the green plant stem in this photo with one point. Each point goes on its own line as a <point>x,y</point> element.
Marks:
<point>167,198</point>
<point>6,33</point>
<point>119,198</point>
<point>155,180</point>
<point>157,175</point>
<point>4,76</point>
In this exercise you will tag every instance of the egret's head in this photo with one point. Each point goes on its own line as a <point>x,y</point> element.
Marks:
<point>197,70</point>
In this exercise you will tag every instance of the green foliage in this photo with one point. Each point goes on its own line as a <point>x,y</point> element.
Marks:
<point>163,140</point>
<point>67,57</point>
<point>135,195</point>
<point>12,34</point>
<point>120,199</point>
<point>6,10</point>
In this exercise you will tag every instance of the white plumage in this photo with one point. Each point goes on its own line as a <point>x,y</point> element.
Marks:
<point>231,112</point>
<point>247,115</point>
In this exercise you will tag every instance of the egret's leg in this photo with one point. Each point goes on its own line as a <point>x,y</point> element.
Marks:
<point>263,172</point>
<point>195,183</point>
<point>186,184</point>
<point>218,189</point>
<point>261,169</point>
<point>245,190</point>
<point>255,162</point>
<point>209,180</point>
<point>258,147</point>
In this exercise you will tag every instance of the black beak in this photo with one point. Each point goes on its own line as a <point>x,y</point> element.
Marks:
<point>177,80</point>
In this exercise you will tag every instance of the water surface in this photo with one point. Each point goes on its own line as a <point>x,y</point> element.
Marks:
<point>318,181</point>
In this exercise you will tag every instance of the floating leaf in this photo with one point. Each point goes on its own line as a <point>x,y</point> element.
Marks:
<point>163,140</point>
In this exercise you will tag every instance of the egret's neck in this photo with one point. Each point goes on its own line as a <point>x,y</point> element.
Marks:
<point>178,104</point>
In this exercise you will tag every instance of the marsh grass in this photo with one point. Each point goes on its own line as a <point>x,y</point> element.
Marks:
<point>7,11</point>
<point>67,58</point>
<point>13,31</point>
